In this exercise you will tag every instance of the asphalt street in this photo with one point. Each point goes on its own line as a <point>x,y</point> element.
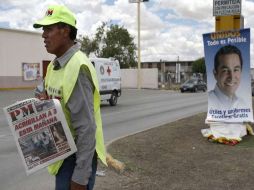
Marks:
<point>137,110</point>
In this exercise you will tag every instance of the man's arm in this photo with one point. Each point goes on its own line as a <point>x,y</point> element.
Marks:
<point>81,107</point>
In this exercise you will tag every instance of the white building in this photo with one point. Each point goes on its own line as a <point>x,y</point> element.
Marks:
<point>23,58</point>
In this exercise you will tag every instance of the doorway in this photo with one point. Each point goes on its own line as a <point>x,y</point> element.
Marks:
<point>44,68</point>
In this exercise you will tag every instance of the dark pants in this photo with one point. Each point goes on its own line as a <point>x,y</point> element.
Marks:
<point>63,177</point>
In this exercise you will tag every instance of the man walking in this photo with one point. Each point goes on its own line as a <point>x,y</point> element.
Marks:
<point>71,78</point>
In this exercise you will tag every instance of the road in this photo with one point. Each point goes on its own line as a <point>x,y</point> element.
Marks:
<point>144,109</point>
<point>136,111</point>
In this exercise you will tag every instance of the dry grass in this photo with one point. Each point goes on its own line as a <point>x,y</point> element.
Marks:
<point>177,157</point>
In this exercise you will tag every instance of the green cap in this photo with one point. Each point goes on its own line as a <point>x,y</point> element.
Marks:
<point>55,14</point>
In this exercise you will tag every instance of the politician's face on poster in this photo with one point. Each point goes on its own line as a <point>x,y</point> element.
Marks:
<point>228,73</point>
<point>233,73</point>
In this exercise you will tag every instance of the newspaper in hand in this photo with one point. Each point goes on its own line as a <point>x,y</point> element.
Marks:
<point>41,132</point>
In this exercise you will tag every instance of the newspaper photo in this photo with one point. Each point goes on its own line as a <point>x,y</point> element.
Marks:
<point>40,131</point>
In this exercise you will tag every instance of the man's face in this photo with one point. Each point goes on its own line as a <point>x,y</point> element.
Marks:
<point>228,74</point>
<point>54,39</point>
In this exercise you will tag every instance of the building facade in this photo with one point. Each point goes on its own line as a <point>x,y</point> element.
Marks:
<point>171,71</point>
<point>23,58</point>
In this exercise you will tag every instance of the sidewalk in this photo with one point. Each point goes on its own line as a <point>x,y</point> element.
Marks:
<point>177,157</point>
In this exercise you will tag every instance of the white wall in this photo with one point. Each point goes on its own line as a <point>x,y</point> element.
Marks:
<point>17,47</point>
<point>149,78</point>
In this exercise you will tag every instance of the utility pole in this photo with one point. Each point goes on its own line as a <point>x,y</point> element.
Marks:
<point>139,54</point>
<point>178,70</point>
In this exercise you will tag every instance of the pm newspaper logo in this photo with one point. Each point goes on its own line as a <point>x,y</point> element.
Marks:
<point>40,131</point>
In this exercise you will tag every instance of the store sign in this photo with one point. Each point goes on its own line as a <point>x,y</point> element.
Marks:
<point>226,7</point>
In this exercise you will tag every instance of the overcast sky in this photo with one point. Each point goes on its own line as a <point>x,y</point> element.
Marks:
<point>169,28</point>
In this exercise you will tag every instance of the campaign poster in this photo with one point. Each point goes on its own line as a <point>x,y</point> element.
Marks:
<point>227,58</point>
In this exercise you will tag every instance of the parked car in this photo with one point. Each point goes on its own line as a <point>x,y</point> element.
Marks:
<point>193,85</point>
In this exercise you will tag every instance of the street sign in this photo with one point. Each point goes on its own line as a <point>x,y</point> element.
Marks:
<point>226,7</point>
<point>136,1</point>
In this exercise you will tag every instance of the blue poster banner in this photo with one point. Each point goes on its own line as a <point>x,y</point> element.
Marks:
<point>227,58</point>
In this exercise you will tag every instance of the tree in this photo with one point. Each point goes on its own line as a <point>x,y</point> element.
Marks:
<point>88,45</point>
<point>198,66</point>
<point>113,41</point>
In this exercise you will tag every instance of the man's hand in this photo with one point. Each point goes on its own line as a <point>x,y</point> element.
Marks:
<point>76,186</point>
<point>42,96</point>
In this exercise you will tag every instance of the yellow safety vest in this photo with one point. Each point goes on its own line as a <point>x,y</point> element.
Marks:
<point>60,84</point>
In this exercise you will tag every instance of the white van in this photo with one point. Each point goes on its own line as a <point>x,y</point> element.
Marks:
<point>109,77</point>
